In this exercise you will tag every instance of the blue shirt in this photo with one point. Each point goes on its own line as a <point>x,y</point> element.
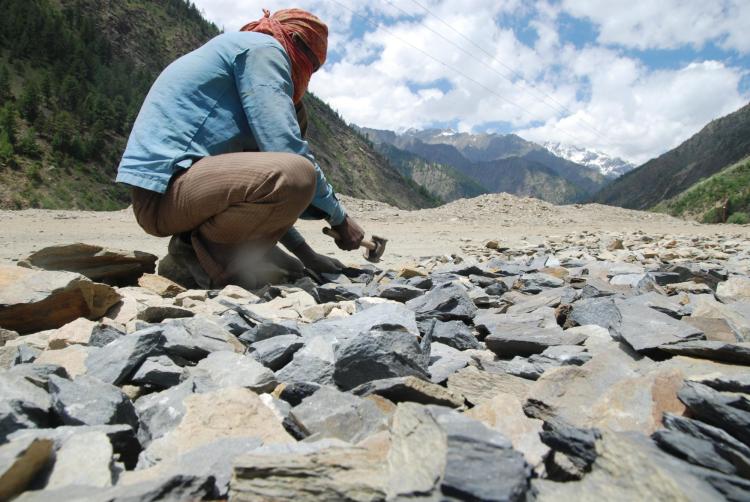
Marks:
<point>232,94</point>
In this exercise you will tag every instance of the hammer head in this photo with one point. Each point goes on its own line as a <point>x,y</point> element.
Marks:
<point>374,253</point>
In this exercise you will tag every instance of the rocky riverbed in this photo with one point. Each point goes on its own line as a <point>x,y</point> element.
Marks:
<point>592,365</point>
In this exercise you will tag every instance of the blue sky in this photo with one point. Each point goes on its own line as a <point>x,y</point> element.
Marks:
<point>631,78</point>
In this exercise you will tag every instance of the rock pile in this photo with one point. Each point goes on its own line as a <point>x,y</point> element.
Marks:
<point>590,367</point>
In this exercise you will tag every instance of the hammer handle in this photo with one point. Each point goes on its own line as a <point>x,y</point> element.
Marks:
<point>332,233</point>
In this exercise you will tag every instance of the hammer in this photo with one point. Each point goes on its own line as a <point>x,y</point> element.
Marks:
<point>374,249</point>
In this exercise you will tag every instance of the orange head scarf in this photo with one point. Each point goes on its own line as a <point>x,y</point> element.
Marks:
<point>282,25</point>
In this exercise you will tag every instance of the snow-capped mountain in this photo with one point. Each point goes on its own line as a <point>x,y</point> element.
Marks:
<point>611,167</point>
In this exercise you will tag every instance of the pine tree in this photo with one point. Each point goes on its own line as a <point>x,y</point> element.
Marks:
<point>6,148</point>
<point>29,102</point>
<point>8,122</point>
<point>28,145</point>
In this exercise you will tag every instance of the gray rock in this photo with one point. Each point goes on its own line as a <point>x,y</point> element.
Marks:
<point>552,357</point>
<point>121,437</point>
<point>726,383</point>
<point>324,470</point>
<point>445,302</point>
<point>524,342</point>
<point>578,445</point>
<point>479,386</point>
<point>23,405</point>
<point>304,368</point>
<point>158,313</point>
<point>339,292</point>
<point>39,374</point>
<point>160,371</point>
<point>455,334</point>
<point>84,460</point>
<point>195,338</point>
<point>20,461</point>
<point>160,412</point>
<point>661,303</point>
<point>270,329</point>
<point>379,353</point>
<point>233,322</point>
<point>509,324</point>
<point>276,352</point>
<point>88,401</point>
<point>733,353</point>
<point>701,452</point>
<point>600,311</point>
<point>645,329</point>
<point>480,462</point>
<point>497,288</point>
<point>400,292</point>
<point>229,369</point>
<point>123,356</point>
<point>391,314</point>
<point>177,487</point>
<point>103,334</point>
<point>728,412</point>
<point>26,354</point>
<point>410,389</point>
<point>330,413</point>
<point>537,282</point>
<point>294,393</point>
<point>721,440</point>
<point>444,361</point>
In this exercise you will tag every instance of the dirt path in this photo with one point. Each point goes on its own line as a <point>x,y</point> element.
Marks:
<point>452,228</point>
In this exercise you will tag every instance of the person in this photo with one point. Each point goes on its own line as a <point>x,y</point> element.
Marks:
<point>216,158</point>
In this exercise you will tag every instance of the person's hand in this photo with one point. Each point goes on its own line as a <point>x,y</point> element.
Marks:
<point>350,234</point>
<point>317,262</point>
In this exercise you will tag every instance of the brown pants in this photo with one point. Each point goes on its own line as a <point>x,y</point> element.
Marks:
<point>227,200</point>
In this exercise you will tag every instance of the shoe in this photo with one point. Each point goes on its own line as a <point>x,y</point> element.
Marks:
<point>182,265</point>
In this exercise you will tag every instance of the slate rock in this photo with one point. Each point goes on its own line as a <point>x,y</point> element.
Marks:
<point>122,438</point>
<point>600,311</point>
<point>445,302</point>
<point>479,386</point>
<point>294,393</point>
<point>306,368</point>
<point>646,329</point>
<point>726,383</point>
<point>324,470</point>
<point>159,371</point>
<point>20,461</point>
<point>23,405</point>
<point>36,300</point>
<point>123,356</point>
<point>455,334</point>
<point>111,266</point>
<point>270,329</point>
<point>339,292</point>
<point>89,401</point>
<point>104,334</point>
<point>736,288</point>
<point>389,351</point>
<point>400,292</point>
<point>84,460</point>
<point>39,374</point>
<point>392,314</point>
<point>552,357</point>
<point>276,352</point>
<point>538,282</point>
<point>228,369</point>
<point>480,462</point>
<point>733,353</point>
<point>195,338</point>
<point>492,322</point>
<point>525,342</point>
<point>329,413</point>
<point>579,445</point>
<point>160,412</point>
<point>224,413</point>
<point>728,412</point>
<point>700,452</point>
<point>411,389</point>
<point>725,444</point>
<point>26,354</point>
<point>444,361</point>
<point>235,323</point>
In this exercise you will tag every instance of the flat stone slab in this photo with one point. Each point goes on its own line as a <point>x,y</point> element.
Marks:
<point>410,389</point>
<point>111,266</point>
<point>733,353</point>
<point>36,300</point>
<point>644,328</point>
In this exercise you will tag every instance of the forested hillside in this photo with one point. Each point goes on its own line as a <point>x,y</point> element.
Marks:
<point>73,75</point>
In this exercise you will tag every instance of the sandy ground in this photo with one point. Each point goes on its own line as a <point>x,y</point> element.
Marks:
<point>454,228</point>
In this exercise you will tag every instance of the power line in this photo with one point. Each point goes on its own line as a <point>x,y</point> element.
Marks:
<point>488,89</point>
<point>510,69</point>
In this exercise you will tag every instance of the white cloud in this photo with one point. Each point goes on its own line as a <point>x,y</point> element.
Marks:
<point>636,112</point>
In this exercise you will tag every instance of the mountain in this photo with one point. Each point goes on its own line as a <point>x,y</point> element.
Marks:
<point>723,197</point>
<point>721,143</point>
<point>73,74</point>
<point>608,166</point>
<point>497,163</point>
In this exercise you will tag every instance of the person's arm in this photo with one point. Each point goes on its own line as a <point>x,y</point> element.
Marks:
<point>263,80</point>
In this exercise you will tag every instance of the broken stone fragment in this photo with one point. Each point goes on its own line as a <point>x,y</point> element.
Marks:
<point>121,358</point>
<point>36,300</point>
<point>446,302</point>
<point>478,386</point>
<point>88,401</point>
<point>84,460</point>
<point>275,353</point>
<point>20,461</point>
<point>733,353</point>
<point>229,369</point>
<point>160,285</point>
<point>110,266</point>
<point>410,389</point>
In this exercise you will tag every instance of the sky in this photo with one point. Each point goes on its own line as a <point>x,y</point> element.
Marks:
<point>631,78</point>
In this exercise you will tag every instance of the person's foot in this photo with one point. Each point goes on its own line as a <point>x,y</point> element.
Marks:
<point>317,262</point>
<point>181,264</point>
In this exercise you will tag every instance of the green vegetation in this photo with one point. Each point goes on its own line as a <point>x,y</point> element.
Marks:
<point>723,197</point>
<point>69,93</point>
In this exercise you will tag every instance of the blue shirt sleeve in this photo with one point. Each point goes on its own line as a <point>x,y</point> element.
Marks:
<point>263,78</point>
